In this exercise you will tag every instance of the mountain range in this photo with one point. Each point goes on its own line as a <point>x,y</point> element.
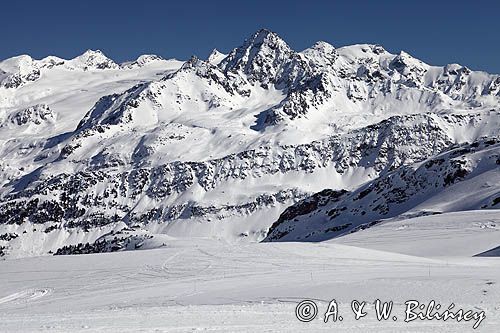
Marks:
<point>261,144</point>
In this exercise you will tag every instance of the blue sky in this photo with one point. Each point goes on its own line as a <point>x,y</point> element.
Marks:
<point>437,32</point>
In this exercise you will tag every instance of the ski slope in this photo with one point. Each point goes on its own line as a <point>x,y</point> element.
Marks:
<point>206,285</point>
<point>473,233</point>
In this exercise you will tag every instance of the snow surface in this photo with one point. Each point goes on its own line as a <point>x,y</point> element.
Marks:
<point>206,285</point>
<point>473,233</point>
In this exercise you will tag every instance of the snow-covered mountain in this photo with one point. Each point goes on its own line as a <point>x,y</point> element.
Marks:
<point>463,178</point>
<point>114,155</point>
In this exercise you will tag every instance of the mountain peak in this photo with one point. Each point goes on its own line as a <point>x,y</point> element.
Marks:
<point>261,57</point>
<point>141,61</point>
<point>93,59</point>
<point>266,38</point>
<point>321,54</point>
<point>408,66</point>
<point>19,63</point>
<point>323,46</point>
<point>51,61</point>
<point>215,57</point>
<point>91,52</point>
<point>261,35</point>
<point>18,70</point>
<point>192,62</point>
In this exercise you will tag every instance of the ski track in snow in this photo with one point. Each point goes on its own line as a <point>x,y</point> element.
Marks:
<point>25,296</point>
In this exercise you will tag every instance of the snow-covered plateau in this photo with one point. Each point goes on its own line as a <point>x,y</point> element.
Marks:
<point>231,188</point>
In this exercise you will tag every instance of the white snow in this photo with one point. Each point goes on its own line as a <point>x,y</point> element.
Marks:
<point>467,233</point>
<point>205,285</point>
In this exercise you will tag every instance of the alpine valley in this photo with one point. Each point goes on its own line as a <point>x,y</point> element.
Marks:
<point>261,144</point>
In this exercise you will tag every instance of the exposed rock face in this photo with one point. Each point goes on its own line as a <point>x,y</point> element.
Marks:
<point>18,71</point>
<point>262,58</point>
<point>395,194</point>
<point>101,196</point>
<point>125,239</point>
<point>90,60</point>
<point>141,61</point>
<point>36,115</point>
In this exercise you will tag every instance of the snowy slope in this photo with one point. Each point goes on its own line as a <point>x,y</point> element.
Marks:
<point>217,148</point>
<point>463,178</point>
<point>198,284</point>
<point>465,233</point>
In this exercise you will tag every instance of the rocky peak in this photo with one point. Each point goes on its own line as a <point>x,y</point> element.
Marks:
<point>378,49</point>
<point>321,54</point>
<point>91,59</point>
<point>261,57</point>
<point>404,63</point>
<point>142,60</point>
<point>215,57</point>
<point>193,62</point>
<point>321,47</point>
<point>455,69</point>
<point>22,64</point>
<point>50,62</point>
<point>411,70</point>
<point>198,66</point>
<point>18,70</point>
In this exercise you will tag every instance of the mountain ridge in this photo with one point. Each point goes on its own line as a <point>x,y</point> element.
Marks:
<point>217,147</point>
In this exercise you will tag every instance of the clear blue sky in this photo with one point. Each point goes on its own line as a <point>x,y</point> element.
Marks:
<point>437,32</point>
